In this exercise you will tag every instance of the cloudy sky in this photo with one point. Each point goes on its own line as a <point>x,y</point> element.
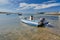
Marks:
<point>29,5</point>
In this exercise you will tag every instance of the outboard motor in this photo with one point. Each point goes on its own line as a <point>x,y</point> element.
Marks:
<point>41,22</point>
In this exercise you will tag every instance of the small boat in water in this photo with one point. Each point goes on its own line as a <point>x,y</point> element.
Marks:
<point>34,22</point>
<point>19,14</point>
<point>7,14</point>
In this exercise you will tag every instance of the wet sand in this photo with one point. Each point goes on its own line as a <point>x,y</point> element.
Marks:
<point>26,32</point>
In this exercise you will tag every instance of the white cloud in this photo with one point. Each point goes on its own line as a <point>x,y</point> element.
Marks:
<point>26,6</point>
<point>46,5</point>
<point>4,1</point>
<point>51,1</point>
<point>4,10</point>
<point>23,6</point>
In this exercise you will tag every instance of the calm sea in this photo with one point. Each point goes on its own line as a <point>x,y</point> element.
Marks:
<point>11,22</point>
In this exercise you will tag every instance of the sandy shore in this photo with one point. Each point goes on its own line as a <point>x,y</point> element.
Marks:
<point>29,33</point>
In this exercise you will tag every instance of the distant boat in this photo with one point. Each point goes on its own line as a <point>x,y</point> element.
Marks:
<point>41,13</point>
<point>7,14</point>
<point>19,14</point>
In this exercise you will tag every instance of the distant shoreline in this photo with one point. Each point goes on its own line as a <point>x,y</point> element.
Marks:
<point>52,14</point>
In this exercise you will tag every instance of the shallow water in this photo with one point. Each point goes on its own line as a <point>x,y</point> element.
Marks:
<point>11,27</point>
<point>10,22</point>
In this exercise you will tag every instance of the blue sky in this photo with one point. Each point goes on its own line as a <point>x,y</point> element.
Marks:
<point>29,6</point>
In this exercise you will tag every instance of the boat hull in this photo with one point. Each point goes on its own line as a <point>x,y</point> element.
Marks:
<point>32,23</point>
<point>29,22</point>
